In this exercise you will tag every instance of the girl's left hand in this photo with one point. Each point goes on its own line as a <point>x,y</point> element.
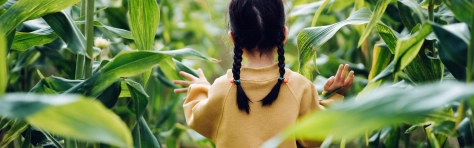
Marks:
<point>340,80</point>
<point>192,80</point>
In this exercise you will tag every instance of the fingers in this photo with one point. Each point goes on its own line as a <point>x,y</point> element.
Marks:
<point>349,79</point>
<point>181,82</point>
<point>201,74</point>
<point>329,83</point>
<point>181,90</point>
<point>338,73</point>
<point>344,73</point>
<point>187,76</point>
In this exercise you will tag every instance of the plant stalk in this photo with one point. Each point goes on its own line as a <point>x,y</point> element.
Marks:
<point>431,19</point>
<point>81,58</point>
<point>431,11</point>
<point>89,36</point>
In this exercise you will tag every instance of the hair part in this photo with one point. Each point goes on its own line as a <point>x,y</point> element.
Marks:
<point>257,25</point>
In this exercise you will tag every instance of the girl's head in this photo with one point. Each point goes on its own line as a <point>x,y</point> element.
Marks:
<point>257,26</point>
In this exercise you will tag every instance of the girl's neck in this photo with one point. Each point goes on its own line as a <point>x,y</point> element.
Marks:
<point>259,59</point>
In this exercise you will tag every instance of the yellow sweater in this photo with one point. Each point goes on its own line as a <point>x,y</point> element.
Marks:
<point>212,110</point>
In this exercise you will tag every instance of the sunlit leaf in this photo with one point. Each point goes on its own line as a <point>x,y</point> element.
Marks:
<point>309,39</point>
<point>68,116</point>
<point>144,20</point>
<point>24,41</point>
<point>374,19</point>
<point>389,36</point>
<point>30,9</point>
<point>306,9</point>
<point>406,50</point>
<point>3,64</point>
<point>384,107</point>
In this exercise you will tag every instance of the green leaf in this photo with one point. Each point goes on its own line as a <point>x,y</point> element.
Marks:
<point>143,137</point>
<point>306,9</point>
<point>318,12</point>
<point>53,85</point>
<point>406,50</point>
<point>120,32</point>
<point>381,58</point>
<point>144,21</point>
<point>27,58</point>
<point>387,106</point>
<point>3,64</point>
<point>67,30</point>
<point>389,36</point>
<point>309,39</point>
<point>462,9</point>
<point>24,41</point>
<point>16,128</point>
<point>424,69</point>
<point>69,116</point>
<point>410,13</point>
<point>181,67</point>
<point>374,19</point>
<point>109,96</point>
<point>454,41</point>
<point>30,9</point>
<point>458,71</point>
<point>139,97</point>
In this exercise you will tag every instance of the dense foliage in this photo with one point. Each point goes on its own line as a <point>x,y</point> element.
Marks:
<point>97,73</point>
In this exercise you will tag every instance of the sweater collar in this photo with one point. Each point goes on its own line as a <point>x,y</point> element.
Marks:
<point>270,72</point>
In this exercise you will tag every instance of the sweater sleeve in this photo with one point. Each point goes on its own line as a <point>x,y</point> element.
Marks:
<point>310,102</point>
<point>203,107</point>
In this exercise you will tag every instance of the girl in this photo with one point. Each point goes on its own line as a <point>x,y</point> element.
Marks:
<point>252,103</point>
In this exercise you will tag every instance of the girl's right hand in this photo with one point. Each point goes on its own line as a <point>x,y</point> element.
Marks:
<point>340,80</point>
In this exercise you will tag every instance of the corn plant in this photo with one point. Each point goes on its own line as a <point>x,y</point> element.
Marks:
<point>416,54</point>
<point>96,73</point>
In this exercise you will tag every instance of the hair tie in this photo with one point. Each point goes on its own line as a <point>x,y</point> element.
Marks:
<point>234,81</point>
<point>283,79</point>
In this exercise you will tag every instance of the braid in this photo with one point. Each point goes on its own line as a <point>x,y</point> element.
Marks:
<point>242,99</point>
<point>272,96</point>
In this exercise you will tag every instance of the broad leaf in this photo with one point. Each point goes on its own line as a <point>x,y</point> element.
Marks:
<point>24,41</point>
<point>16,128</point>
<point>318,12</point>
<point>462,9</point>
<point>424,69</point>
<point>385,107</point>
<point>139,97</point>
<point>67,30</point>
<point>53,85</point>
<point>30,9</point>
<point>181,67</point>
<point>458,71</point>
<point>374,19</point>
<point>410,13</point>
<point>3,64</point>
<point>144,20</point>
<point>406,50</point>
<point>69,116</point>
<point>143,137</point>
<point>309,39</point>
<point>389,36</point>
<point>454,41</point>
<point>109,96</point>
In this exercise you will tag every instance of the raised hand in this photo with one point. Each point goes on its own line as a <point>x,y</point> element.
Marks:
<point>192,80</point>
<point>340,81</point>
